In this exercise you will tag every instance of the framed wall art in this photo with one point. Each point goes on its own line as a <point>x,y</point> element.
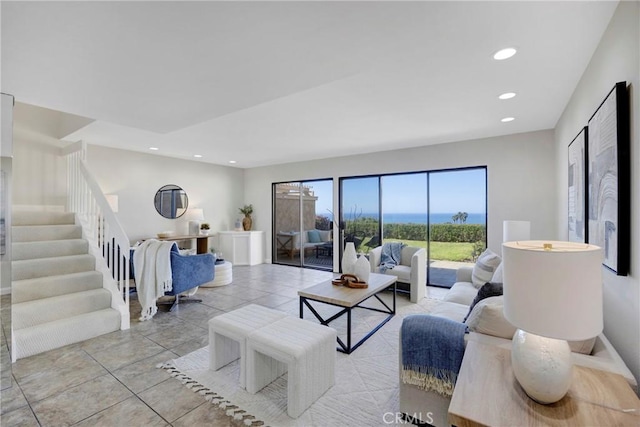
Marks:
<point>609,204</point>
<point>577,213</point>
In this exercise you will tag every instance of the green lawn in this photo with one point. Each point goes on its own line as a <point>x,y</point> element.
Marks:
<point>443,250</point>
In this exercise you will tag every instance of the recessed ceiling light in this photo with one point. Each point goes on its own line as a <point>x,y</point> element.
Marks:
<point>504,54</point>
<point>197,156</point>
<point>232,161</point>
<point>508,119</point>
<point>507,95</point>
<point>154,148</point>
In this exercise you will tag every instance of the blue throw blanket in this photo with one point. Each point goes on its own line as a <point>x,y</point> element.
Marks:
<point>432,350</point>
<point>390,255</point>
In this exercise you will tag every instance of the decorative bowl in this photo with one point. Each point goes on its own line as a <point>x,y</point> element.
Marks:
<point>165,234</point>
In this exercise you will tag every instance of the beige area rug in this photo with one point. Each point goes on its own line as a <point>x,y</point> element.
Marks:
<point>366,383</point>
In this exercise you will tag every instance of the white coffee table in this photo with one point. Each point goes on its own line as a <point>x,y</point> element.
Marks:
<point>223,276</point>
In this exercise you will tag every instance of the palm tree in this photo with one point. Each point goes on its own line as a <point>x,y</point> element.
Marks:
<point>460,217</point>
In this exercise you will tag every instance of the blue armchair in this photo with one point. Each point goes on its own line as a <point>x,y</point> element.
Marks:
<point>187,272</point>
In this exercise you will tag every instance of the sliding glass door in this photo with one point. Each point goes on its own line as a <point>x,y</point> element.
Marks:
<point>360,213</point>
<point>404,209</point>
<point>303,224</point>
<point>441,211</point>
<point>457,222</point>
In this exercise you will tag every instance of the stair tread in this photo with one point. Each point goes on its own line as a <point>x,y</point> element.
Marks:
<point>47,336</point>
<point>63,257</point>
<point>36,242</point>
<point>59,276</point>
<point>49,286</point>
<point>33,217</point>
<point>51,266</point>
<point>46,310</point>
<point>40,232</point>
<point>49,248</point>
<point>58,298</point>
<point>71,319</point>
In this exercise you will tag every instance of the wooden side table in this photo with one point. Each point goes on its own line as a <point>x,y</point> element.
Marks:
<point>488,394</point>
<point>202,241</point>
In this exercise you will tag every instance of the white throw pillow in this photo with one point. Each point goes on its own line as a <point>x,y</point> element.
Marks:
<point>484,268</point>
<point>497,276</point>
<point>488,318</point>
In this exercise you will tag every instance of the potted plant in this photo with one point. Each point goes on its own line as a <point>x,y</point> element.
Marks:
<point>204,228</point>
<point>247,210</point>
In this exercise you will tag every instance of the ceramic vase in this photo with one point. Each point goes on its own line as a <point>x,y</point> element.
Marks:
<point>362,268</point>
<point>247,222</point>
<point>349,258</point>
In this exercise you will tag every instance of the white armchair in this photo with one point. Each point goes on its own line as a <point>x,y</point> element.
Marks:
<point>412,269</point>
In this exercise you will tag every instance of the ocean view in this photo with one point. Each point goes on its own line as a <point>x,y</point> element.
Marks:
<point>435,218</point>
<point>420,218</point>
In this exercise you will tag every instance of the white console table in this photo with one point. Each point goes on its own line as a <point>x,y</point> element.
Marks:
<point>242,247</point>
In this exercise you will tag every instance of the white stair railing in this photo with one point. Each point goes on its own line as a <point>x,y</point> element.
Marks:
<point>107,240</point>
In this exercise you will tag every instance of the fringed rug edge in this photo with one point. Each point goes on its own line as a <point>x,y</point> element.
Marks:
<point>212,397</point>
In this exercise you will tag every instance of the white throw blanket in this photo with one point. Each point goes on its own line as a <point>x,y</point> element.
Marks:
<point>152,265</point>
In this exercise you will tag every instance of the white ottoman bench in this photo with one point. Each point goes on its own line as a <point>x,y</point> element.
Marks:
<point>223,275</point>
<point>228,333</point>
<point>307,349</point>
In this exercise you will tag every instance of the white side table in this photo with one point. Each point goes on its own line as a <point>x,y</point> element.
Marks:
<point>223,276</point>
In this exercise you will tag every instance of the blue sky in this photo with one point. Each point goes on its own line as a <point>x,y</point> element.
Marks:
<point>450,191</point>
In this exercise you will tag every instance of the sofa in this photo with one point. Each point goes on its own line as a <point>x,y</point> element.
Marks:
<point>291,242</point>
<point>412,270</point>
<point>487,324</point>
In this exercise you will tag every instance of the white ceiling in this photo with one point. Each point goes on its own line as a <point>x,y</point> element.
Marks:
<point>273,82</point>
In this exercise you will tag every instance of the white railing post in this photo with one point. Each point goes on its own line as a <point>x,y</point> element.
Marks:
<point>107,240</point>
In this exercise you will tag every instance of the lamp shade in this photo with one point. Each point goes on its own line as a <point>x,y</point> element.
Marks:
<point>194,214</point>
<point>513,231</point>
<point>555,291</point>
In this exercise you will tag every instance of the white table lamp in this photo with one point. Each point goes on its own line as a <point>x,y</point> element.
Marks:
<point>552,293</point>
<point>513,231</point>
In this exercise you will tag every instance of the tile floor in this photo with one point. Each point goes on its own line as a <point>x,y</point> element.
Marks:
<point>112,380</point>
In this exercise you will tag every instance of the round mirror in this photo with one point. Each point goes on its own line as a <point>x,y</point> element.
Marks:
<point>171,201</point>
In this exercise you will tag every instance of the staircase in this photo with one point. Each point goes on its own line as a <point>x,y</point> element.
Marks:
<point>58,296</point>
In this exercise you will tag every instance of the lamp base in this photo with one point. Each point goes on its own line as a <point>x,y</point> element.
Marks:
<point>542,366</point>
<point>194,228</point>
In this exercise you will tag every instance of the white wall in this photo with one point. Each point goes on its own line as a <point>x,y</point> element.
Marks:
<point>521,178</point>
<point>6,166</point>
<point>39,173</point>
<point>135,178</point>
<point>617,58</point>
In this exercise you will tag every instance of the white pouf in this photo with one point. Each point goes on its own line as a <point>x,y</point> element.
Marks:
<point>228,333</point>
<point>223,276</point>
<point>307,349</point>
